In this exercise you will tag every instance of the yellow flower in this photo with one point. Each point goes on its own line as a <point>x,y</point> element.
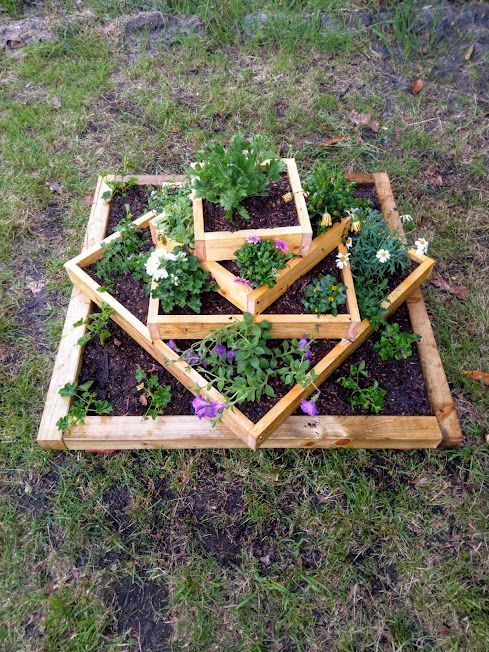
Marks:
<point>333,288</point>
<point>356,226</point>
<point>326,220</point>
<point>331,299</point>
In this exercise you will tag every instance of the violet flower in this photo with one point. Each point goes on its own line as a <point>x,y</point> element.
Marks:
<point>220,349</point>
<point>191,357</point>
<point>242,281</point>
<point>231,354</point>
<point>303,342</point>
<point>171,344</point>
<point>309,407</point>
<point>203,408</point>
<point>308,354</point>
<point>253,239</point>
<point>281,244</point>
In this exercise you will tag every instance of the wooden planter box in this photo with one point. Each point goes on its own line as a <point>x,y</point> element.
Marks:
<point>235,430</point>
<point>221,245</point>
<point>193,326</point>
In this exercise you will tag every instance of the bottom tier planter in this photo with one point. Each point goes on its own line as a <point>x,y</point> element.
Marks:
<point>433,426</point>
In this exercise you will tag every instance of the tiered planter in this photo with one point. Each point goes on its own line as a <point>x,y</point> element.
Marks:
<point>222,245</point>
<point>276,428</point>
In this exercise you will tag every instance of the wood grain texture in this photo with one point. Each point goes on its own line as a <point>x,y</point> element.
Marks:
<point>100,433</point>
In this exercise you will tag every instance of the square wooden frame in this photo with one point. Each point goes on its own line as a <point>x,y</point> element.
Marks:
<point>101,433</point>
<point>221,245</point>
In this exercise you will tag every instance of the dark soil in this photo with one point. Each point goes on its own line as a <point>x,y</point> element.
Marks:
<point>112,367</point>
<point>291,301</point>
<point>403,380</point>
<point>265,212</point>
<point>212,304</point>
<point>367,192</point>
<point>136,198</point>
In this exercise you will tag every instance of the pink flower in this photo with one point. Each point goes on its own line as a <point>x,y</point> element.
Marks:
<point>242,281</point>
<point>309,407</point>
<point>253,239</point>
<point>282,245</point>
<point>203,408</point>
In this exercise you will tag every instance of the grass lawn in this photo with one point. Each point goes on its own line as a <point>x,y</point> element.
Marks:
<point>234,550</point>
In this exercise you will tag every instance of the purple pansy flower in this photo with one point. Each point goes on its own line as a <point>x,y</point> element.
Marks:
<point>171,344</point>
<point>242,281</point>
<point>303,342</point>
<point>220,349</point>
<point>281,244</point>
<point>308,355</point>
<point>253,239</point>
<point>231,354</point>
<point>309,407</point>
<point>203,408</point>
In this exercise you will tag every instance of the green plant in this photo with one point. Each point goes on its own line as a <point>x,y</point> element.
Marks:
<point>153,395</point>
<point>370,294</point>
<point>123,255</point>
<point>227,176</point>
<point>119,188</point>
<point>377,251</point>
<point>367,398</point>
<point>84,402</point>
<point>329,194</point>
<point>96,325</point>
<point>175,219</point>
<point>260,260</point>
<point>239,362</point>
<point>179,278</point>
<point>394,343</point>
<point>324,295</point>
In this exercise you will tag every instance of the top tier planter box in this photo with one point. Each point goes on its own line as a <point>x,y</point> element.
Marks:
<point>222,245</point>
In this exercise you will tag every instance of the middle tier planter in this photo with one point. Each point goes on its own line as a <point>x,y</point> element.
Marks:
<point>212,245</point>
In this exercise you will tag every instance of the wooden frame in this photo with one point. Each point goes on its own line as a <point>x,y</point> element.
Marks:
<point>101,433</point>
<point>221,245</point>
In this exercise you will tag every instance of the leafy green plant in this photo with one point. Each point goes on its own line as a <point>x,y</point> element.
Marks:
<point>324,295</point>
<point>175,219</point>
<point>119,188</point>
<point>153,395</point>
<point>330,193</point>
<point>376,237</point>
<point>394,343</point>
<point>84,402</point>
<point>239,362</point>
<point>260,260</point>
<point>96,325</point>
<point>123,255</point>
<point>367,398</point>
<point>227,176</point>
<point>180,280</point>
<point>370,294</point>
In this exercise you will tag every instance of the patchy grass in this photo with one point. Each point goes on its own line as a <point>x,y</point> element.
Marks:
<point>200,550</point>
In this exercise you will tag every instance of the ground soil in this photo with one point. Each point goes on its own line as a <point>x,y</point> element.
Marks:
<point>367,192</point>
<point>265,212</point>
<point>137,200</point>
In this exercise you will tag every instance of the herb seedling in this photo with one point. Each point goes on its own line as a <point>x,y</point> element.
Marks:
<point>395,344</point>
<point>84,402</point>
<point>260,260</point>
<point>370,294</point>
<point>179,278</point>
<point>367,398</point>
<point>227,176</point>
<point>96,325</point>
<point>119,188</point>
<point>175,219</point>
<point>153,395</point>
<point>324,295</point>
<point>123,255</point>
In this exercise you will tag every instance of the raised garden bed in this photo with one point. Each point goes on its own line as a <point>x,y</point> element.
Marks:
<point>180,430</point>
<point>217,239</point>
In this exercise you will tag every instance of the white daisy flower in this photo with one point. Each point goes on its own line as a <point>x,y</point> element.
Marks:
<point>383,255</point>
<point>348,243</point>
<point>342,260</point>
<point>421,246</point>
<point>406,218</point>
<point>160,273</point>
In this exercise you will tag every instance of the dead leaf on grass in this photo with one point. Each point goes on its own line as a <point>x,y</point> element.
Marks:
<point>35,286</point>
<point>417,86</point>
<point>469,53</point>
<point>363,119</point>
<point>55,187</point>
<point>56,102</point>
<point>459,291</point>
<point>478,375</point>
<point>433,177</point>
<point>329,142</point>
<point>88,200</point>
